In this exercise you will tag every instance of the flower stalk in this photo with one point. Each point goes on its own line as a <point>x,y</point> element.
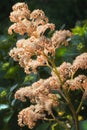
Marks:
<point>67,98</point>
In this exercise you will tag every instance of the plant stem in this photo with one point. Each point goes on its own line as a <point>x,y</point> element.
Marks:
<point>80,105</point>
<point>56,72</point>
<point>75,115</point>
<point>59,122</point>
<point>66,97</point>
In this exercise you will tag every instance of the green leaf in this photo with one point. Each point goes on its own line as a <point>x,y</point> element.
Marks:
<point>5,66</point>
<point>8,117</point>
<point>60,51</point>
<point>3,107</point>
<point>44,72</point>
<point>13,88</point>
<point>43,126</point>
<point>79,30</point>
<point>83,125</point>
<point>12,72</point>
<point>3,39</point>
<point>4,44</point>
<point>56,126</point>
<point>28,78</point>
<point>3,94</point>
<point>1,89</point>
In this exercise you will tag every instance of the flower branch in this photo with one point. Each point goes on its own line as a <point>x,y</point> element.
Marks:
<point>63,80</point>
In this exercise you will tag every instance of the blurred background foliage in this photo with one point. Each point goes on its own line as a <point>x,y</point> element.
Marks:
<point>65,14</point>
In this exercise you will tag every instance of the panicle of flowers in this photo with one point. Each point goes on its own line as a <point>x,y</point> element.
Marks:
<point>40,93</point>
<point>30,115</point>
<point>60,37</point>
<point>34,24</point>
<point>38,90</point>
<point>38,50</point>
<point>65,71</point>
<point>76,83</point>
<point>80,62</point>
<point>20,12</point>
<point>42,99</point>
<point>24,53</point>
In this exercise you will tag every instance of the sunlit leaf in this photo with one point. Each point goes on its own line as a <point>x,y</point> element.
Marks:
<point>80,46</point>
<point>28,78</point>
<point>3,106</point>
<point>3,94</point>
<point>56,126</point>
<point>61,51</point>
<point>79,30</point>
<point>5,66</point>
<point>2,89</point>
<point>12,72</point>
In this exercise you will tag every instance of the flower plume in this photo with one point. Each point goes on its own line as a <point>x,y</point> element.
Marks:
<point>39,50</point>
<point>34,24</point>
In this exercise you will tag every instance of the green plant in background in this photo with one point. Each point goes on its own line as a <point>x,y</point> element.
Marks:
<point>51,97</point>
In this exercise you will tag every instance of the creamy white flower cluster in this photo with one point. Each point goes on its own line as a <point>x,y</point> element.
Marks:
<point>34,24</point>
<point>36,51</point>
